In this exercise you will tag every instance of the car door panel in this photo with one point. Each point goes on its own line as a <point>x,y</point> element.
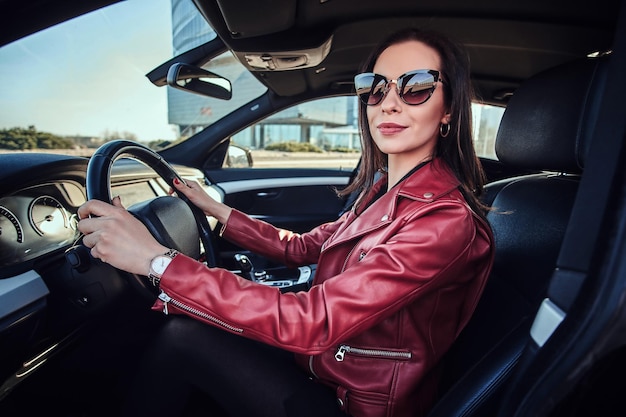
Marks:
<point>294,199</point>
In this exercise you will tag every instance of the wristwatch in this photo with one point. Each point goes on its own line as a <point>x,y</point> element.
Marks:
<point>158,265</point>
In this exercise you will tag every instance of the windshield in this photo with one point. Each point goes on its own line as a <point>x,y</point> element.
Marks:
<point>82,83</point>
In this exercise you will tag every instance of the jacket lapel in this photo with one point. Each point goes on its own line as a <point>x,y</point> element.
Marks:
<point>425,185</point>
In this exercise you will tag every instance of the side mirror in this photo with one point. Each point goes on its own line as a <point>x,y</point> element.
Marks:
<point>200,81</point>
<point>238,157</point>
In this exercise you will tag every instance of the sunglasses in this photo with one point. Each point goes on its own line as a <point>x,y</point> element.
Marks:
<point>414,87</point>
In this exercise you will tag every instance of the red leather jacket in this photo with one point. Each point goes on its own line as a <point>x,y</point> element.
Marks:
<point>394,286</point>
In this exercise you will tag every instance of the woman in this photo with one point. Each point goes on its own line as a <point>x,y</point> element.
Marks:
<point>397,277</point>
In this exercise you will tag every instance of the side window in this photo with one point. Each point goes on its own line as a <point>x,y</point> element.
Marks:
<point>324,134</point>
<point>486,121</point>
<point>318,134</point>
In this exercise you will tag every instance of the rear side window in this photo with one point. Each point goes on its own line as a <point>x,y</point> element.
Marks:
<point>486,121</point>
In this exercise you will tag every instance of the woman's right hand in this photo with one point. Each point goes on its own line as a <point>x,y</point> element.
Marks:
<point>194,192</point>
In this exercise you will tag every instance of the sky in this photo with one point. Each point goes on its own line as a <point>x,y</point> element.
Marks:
<point>93,83</point>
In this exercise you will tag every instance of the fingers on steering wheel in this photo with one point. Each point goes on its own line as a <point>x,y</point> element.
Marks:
<point>117,201</point>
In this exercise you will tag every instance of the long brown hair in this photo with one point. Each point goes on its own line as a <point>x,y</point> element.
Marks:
<point>456,149</point>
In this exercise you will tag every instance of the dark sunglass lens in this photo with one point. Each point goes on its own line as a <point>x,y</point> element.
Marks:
<point>416,88</point>
<point>363,85</point>
<point>370,88</point>
<point>378,91</point>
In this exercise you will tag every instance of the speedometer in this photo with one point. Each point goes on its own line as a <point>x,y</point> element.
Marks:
<point>10,227</point>
<point>47,216</point>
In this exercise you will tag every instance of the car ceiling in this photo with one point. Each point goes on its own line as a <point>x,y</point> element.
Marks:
<point>507,40</point>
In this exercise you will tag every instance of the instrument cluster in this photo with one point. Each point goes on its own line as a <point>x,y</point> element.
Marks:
<point>38,220</point>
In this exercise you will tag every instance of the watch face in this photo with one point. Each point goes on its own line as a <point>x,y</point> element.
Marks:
<point>160,263</point>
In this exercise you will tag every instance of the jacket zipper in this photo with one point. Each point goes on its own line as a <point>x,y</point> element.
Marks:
<point>345,261</point>
<point>167,299</point>
<point>389,354</point>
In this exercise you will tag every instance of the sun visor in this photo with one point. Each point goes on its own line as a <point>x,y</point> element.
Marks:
<point>245,19</point>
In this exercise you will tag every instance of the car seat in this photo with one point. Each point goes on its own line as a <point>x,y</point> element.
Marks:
<point>545,128</point>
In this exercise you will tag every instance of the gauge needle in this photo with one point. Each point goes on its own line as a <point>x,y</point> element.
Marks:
<point>48,218</point>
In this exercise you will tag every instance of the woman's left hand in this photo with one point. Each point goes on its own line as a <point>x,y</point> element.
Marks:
<point>116,237</point>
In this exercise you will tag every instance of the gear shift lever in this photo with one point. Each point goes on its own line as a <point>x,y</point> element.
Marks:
<point>247,270</point>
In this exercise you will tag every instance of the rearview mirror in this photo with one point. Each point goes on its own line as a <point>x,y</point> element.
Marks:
<point>200,81</point>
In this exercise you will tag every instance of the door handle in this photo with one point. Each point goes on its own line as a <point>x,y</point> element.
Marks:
<point>264,194</point>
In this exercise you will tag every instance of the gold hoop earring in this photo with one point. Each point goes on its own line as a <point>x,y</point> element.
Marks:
<point>444,129</point>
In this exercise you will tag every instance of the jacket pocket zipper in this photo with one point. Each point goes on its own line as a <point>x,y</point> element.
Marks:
<point>380,353</point>
<point>345,261</point>
<point>194,311</point>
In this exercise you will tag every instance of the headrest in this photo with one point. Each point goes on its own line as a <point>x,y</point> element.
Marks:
<point>549,121</point>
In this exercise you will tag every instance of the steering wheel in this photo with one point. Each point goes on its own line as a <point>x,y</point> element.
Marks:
<point>175,222</point>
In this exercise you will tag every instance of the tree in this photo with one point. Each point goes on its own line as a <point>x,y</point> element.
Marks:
<point>114,135</point>
<point>18,138</point>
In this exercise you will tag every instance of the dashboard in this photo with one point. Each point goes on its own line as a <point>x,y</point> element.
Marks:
<point>41,218</point>
<point>38,219</point>
<point>39,241</point>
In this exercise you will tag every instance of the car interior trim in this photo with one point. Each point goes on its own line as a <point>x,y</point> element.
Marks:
<point>241,186</point>
<point>19,291</point>
<point>285,60</point>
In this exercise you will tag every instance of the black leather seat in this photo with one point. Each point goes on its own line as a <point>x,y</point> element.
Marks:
<point>545,129</point>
